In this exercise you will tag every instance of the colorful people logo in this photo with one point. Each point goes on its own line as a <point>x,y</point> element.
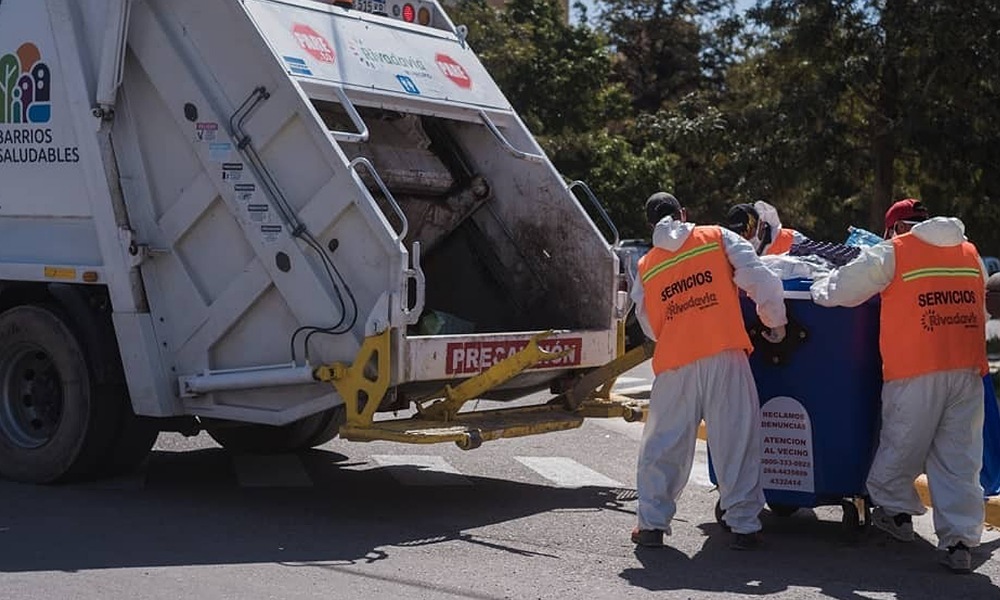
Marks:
<point>25,87</point>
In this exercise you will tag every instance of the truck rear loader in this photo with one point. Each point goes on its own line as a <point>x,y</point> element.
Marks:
<point>279,221</point>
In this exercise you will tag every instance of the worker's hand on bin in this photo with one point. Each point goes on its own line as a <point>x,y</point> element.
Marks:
<point>774,334</point>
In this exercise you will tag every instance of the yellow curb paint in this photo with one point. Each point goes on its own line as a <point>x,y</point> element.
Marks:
<point>992,503</point>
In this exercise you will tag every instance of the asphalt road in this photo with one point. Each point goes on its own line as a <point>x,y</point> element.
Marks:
<point>540,517</point>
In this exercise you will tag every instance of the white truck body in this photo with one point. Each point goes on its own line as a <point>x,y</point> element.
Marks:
<point>231,171</point>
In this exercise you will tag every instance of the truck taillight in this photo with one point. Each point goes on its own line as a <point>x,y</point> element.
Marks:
<point>408,13</point>
<point>423,16</point>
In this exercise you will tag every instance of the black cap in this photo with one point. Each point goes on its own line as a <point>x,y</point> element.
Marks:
<point>660,206</point>
<point>743,219</point>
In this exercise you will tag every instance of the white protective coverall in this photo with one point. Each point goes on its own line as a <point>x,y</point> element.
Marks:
<point>719,389</point>
<point>769,215</point>
<point>934,420</point>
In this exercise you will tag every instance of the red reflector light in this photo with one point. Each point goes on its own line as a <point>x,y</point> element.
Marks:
<point>408,13</point>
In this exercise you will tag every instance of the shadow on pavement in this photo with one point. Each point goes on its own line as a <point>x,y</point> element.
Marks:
<point>191,514</point>
<point>873,564</point>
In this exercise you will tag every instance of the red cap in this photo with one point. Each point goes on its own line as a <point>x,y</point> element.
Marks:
<point>905,210</point>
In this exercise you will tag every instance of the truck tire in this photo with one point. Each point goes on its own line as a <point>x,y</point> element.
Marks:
<point>303,434</point>
<point>53,424</point>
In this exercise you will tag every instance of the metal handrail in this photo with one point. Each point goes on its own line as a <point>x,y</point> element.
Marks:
<point>507,145</point>
<point>597,204</point>
<point>412,314</point>
<point>354,116</point>
<point>385,190</point>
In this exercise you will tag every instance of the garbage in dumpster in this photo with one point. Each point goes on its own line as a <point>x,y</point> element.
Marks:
<point>436,322</point>
<point>862,237</point>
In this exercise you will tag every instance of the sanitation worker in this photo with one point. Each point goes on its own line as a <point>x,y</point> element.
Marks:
<point>758,223</point>
<point>934,358</point>
<point>686,299</point>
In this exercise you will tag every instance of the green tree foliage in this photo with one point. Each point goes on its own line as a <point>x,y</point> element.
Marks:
<point>876,100</point>
<point>829,109</point>
<point>554,74</point>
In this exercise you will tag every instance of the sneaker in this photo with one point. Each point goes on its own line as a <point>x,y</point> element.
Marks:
<point>898,526</point>
<point>649,538</point>
<point>958,558</point>
<point>746,541</point>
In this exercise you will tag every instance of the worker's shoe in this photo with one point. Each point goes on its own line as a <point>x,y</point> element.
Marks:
<point>898,526</point>
<point>746,541</point>
<point>958,558</point>
<point>648,538</point>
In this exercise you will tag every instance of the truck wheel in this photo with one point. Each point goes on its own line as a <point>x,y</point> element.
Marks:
<point>52,426</point>
<point>268,439</point>
<point>328,428</point>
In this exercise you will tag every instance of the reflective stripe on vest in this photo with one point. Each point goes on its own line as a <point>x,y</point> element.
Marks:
<point>691,301</point>
<point>782,243</point>
<point>933,311</point>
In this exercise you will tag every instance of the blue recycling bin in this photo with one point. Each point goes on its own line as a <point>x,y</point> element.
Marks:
<point>820,401</point>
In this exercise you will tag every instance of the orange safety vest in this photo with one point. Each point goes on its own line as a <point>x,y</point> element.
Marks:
<point>691,301</point>
<point>782,243</point>
<point>933,311</point>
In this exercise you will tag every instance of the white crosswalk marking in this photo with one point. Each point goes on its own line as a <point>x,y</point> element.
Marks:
<point>566,472</point>
<point>699,469</point>
<point>278,470</point>
<point>417,470</point>
<point>630,381</point>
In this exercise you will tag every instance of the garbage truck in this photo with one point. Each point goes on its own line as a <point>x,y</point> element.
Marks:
<point>278,221</point>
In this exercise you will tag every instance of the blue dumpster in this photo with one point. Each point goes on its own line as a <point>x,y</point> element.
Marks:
<point>820,396</point>
<point>989,477</point>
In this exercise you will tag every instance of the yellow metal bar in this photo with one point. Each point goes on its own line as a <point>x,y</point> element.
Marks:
<point>469,430</point>
<point>361,387</point>
<point>585,388</point>
<point>363,383</point>
<point>501,372</point>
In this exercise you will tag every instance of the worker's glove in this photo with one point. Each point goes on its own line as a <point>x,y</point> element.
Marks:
<point>774,334</point>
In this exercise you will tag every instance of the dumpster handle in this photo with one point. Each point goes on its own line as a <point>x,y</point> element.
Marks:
<point>778,354</point>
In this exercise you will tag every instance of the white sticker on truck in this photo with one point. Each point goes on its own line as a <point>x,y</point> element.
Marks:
<point>40,159</point>
<point>415,62</point>
<point>26,135</point>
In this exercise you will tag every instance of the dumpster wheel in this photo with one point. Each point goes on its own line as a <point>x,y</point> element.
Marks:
<point>857,516</point>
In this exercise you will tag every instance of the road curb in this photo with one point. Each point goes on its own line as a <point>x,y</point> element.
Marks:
<point>992,503</point>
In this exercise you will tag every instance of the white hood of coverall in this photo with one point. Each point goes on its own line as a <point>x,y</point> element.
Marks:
<point>749,273</point>
<point>872,271</point>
